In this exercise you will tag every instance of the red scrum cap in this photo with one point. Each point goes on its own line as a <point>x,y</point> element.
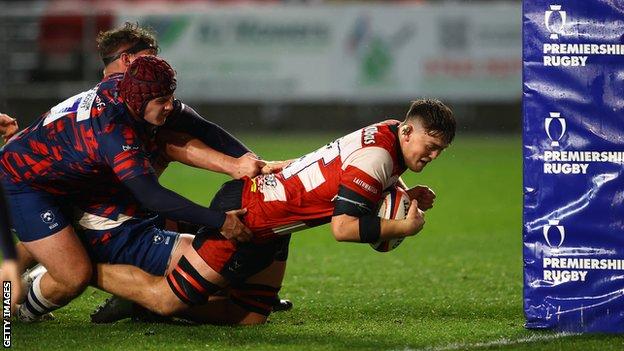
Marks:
<point>147,78</point>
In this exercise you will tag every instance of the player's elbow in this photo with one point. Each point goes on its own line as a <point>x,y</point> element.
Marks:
<point>342,229</point>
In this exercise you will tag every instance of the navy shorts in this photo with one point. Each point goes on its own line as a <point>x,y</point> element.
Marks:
<point>35,214</point>
<point>137,242</point>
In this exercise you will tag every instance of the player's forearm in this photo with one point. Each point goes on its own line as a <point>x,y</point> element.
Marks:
<point>195,153</point>
<point>394,229</point>
<point>189,121</point>
<point>348,228</point>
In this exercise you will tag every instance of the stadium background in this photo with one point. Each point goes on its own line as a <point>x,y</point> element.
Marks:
<point>456,286</point>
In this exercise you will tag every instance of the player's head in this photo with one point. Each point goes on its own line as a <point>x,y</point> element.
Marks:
<point>147,89</point>
<point>120,46</point>
<point>429,127</point>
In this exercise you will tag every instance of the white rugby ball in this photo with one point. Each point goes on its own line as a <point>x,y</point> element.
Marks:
<point>394,205</point>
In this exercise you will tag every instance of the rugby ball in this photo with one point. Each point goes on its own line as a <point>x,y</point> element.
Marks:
<point>394,205</point>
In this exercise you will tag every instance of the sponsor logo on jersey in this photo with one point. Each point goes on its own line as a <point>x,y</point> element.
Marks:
<point>265,181</point>
<point>369,135</point>
<point>362,184</point>
<point>129,147</point>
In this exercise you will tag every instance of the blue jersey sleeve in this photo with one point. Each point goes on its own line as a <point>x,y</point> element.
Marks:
<point>123,151</point>
<point>155,197</point>
<point>186,120</point>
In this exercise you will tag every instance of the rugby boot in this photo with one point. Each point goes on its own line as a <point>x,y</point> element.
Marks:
<point>23,316</point>
<point>112,310</point>
<point>281,305</point>
<point>116,308</point>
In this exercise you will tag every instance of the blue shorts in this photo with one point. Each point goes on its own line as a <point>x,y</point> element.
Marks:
<point>137,242</point>
<point>35,214</point>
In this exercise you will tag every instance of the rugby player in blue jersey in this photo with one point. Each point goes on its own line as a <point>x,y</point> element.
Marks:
<point>81,147</point>
<point>194,141</point>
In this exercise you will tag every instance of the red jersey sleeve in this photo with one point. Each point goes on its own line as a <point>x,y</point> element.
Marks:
<point>368,171</point>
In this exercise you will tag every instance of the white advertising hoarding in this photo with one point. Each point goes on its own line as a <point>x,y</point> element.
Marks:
<point>340,53</point>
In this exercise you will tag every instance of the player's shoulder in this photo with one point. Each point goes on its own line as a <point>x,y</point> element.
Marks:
<point>373,144</point>
<point>382,135</point>
<point>108,89</point>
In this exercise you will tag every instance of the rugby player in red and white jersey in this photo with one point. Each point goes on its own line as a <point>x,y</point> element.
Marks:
<point>340,183</point>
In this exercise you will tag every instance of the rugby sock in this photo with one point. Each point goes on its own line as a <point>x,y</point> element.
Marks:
<point>36,305</point>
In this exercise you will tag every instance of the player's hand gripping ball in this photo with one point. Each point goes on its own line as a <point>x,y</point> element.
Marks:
<point>394,205</point>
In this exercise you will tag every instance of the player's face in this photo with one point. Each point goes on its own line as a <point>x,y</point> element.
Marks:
<point>157,110</point>
<point>418,147</point>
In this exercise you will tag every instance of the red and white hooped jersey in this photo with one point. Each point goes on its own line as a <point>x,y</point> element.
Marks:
<point>302,195</point>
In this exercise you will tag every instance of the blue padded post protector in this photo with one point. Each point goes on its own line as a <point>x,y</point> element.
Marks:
<point>573,150</point>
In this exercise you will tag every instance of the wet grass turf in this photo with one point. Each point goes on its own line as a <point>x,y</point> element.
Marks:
<point>455,286</point>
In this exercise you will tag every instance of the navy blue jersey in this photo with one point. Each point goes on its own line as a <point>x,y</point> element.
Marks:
<point>83,148</point>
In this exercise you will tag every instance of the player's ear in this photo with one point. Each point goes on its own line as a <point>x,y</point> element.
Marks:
<point>405,130</point>
<point>126,59</point>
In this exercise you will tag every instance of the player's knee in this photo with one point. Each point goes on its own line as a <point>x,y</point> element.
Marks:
<point>188,287</point>
<point>169,305</point>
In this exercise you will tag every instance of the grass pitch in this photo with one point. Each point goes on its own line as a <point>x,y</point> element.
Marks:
<point>455,286</point>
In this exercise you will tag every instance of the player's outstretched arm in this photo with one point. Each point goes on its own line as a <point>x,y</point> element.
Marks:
<point>193,152</point>
<point>370,228</point>
<point>188,121</point>
<point>155,197</point>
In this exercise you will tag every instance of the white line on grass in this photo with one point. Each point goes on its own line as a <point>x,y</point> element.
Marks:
<point>499,342</point>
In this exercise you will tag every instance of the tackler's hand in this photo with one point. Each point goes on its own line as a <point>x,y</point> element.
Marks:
<point>233,228</point>
<point>275,166</point>
<point>414,220</point>
<point>424,195</point>
<point>249,165</point>
<point>8,126</point>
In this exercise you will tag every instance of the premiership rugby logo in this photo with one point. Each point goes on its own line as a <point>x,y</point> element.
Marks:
<point>559,160</point>
<point>554,26</point>
<point>557,234</point>
<point>555,138</point>
<point>562,54</point>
